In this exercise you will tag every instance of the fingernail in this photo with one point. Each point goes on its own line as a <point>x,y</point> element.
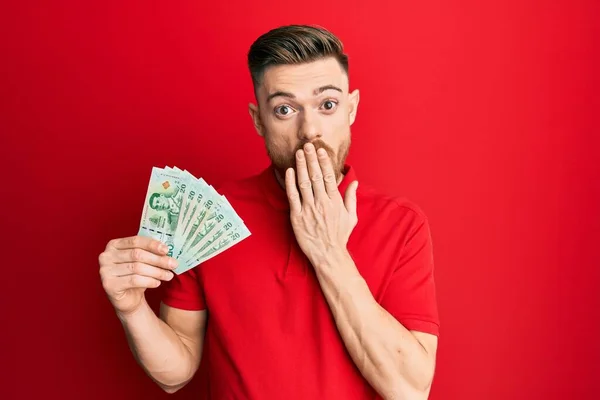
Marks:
<point>163,248</point>
<point>300,155</point>
<point>173,263</point>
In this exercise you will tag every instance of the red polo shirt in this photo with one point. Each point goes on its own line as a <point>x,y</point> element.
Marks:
<point>270,333</point>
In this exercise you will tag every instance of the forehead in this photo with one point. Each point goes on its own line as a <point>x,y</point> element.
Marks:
<point>303,79</point>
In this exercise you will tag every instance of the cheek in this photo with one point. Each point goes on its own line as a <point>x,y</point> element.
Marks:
<point>281,135</point>
<point>275,144</point>
<point>335,127</point>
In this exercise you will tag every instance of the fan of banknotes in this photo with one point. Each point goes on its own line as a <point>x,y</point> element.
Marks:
<point>190,217</point>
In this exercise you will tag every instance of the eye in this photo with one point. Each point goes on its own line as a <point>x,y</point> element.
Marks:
<point>283,110</point>
<point>329,105</point>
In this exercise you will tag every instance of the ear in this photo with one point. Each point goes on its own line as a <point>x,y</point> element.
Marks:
<point>255,114</point>
<point>354,98</point>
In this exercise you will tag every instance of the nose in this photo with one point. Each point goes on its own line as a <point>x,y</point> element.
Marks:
<point>310,127</point>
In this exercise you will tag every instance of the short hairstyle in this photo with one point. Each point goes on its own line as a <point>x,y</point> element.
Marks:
<point>293,44</point>
<point>152,197</point>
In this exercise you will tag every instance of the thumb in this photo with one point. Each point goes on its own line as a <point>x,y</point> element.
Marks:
<point>350,198</point>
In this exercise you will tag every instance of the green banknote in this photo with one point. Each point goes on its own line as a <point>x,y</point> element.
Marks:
<point>161,207</point>
<point>226,238</point>
<point>190,217</point>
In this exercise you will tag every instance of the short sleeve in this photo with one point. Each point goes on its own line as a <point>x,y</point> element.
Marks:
<point>184,291</point>
<point>410,295</point>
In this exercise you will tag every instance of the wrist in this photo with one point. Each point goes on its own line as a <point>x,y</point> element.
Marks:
<point>138,312</point>
<point>334,258</point>
<point>339,271</point>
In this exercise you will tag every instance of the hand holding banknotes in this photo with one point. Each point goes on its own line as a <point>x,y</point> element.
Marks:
<point>128,266</point>
<point>184,223</point>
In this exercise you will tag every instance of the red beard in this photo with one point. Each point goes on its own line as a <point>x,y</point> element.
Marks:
<point>282,162</point>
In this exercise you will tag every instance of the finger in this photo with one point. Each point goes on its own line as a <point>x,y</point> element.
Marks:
<point>328,174</point>
<point>303,178</point>
<point>142,242</point>
<point>136,281</point>
<point>138,268</point>
<point>292,192</point>
<point>314,171</point>
<point>350,198</point>
<point>144,256</point>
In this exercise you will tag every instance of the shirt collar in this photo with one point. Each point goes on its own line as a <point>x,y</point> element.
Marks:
<point>277,196</point>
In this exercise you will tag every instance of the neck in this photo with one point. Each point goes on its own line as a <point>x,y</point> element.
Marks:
<point>280,179</point>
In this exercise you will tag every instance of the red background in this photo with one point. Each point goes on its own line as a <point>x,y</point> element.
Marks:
<point>484,114</point>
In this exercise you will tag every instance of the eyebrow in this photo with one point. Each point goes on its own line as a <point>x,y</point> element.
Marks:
<point>292,96</point>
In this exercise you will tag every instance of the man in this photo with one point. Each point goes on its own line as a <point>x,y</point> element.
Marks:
<point>333,295</point>
<point>170,203</point>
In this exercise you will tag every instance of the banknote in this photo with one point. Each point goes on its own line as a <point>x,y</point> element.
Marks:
<point>162,204</point>
<point>226,238</point>
<point>190,217</point>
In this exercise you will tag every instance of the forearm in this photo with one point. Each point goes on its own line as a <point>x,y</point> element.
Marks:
<point>157,348</point>
<point>389,357</point>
